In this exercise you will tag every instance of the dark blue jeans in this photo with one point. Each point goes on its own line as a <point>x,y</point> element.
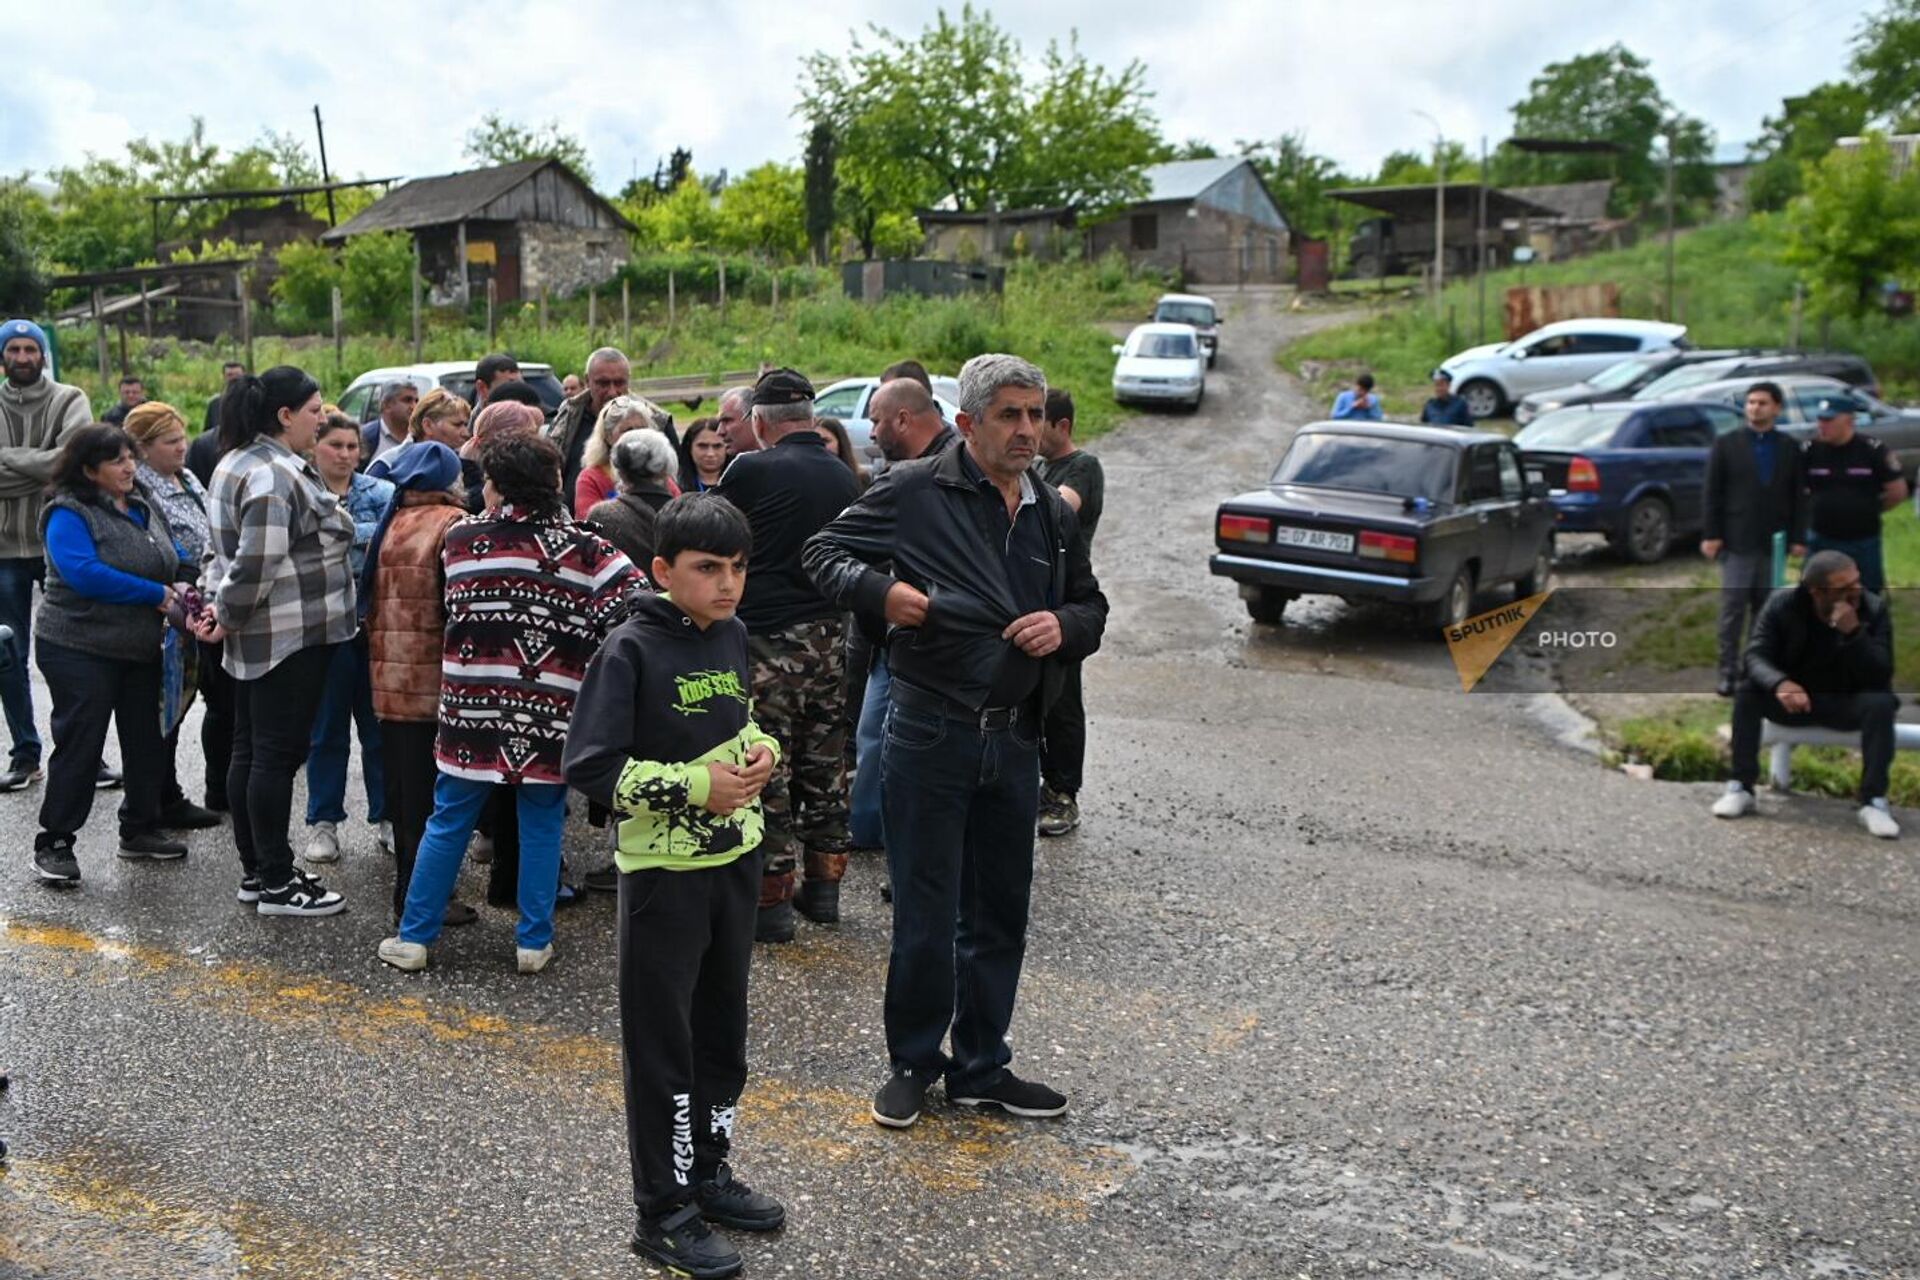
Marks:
<point>345,704</point>
<point>959,807</point>
<point>16,683</point>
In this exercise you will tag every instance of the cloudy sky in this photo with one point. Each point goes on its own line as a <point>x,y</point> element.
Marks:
<point>401,81</point>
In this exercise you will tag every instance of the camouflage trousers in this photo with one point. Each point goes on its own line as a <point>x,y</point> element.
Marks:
<point>799,697</point>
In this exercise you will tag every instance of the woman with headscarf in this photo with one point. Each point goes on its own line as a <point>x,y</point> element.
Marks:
<point>405,586</point>
<point>643,460</point>
<point>159,434</point>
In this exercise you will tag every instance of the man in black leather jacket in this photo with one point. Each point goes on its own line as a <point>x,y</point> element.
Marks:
<point>989,594</point>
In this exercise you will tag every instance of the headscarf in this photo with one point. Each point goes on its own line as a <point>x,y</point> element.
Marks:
<point>425,466</point>
<point>151,419</point>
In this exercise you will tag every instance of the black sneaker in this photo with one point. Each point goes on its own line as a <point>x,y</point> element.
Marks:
<point>55,862</point>
<point>819,901</point>
<point>683,1243</point>
<point>151,844</point>
<point>184,815</point>
<point>301,896</point>
<point>107,779</point>
<point>249,889</point>
<point>726,1201</point>
<point>605,880</point>
<point>1059,813</point>
<point>774,923</point>
<point>898,1103</point>
<point>217,802</point>
<point>18,776</point>
<point>1014,1096</point>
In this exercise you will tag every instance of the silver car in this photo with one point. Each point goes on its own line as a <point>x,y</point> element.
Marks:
<point>1898,429</point>
<point>1492,377</point>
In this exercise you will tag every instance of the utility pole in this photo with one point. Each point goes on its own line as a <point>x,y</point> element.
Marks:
<point>1672,128</point>
<point>1439,209</point>
<point>1480,248</point>
<point>325,176</point>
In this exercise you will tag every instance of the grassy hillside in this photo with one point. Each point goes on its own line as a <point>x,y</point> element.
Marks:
<point>1051,314</point>
<point>1730,287</point>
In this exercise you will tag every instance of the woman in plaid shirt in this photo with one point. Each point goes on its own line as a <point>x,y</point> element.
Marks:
<point>281,598</point>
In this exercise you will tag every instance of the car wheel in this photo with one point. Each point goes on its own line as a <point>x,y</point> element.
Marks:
<point>1540,575</point>
<point>1649,531</point>
<point>1484,399</point>
<point>1195,406</point>
<point>1454,608</point>
<point>1268,606</point>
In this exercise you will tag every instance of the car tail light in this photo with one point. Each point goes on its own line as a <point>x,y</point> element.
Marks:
<point>1246,528</point>
<point>1583,476</point>
<point>1389,546</point>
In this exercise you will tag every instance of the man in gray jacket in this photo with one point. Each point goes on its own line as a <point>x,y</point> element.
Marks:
<point>36,416</point>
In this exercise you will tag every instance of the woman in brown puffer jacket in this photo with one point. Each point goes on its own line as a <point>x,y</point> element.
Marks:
<point>406,623</point>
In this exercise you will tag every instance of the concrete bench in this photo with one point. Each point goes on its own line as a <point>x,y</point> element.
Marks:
<point>1781,739</point>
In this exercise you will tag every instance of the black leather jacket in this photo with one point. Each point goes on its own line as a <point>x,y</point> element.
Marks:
<point>1791,642</point>
<point>936,528</point>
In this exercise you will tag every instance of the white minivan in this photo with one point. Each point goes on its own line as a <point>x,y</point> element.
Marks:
<point>1493,377</point>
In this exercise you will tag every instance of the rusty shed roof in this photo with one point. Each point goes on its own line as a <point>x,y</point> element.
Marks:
<point>457,197</point>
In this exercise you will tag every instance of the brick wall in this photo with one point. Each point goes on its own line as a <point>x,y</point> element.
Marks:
<point>1214,246</point>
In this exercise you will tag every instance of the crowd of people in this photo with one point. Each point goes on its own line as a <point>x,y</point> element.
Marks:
<point>749,657</point>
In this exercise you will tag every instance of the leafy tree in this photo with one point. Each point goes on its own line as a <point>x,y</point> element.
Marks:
<point>820,189</point>
<point>497,140</point>
<point>1402,168</point>
<point>765,211</point>
<point>24,222</point>
<point>1299,179</point>
<point>303,289</point>
<point>376,280</point>
<point>666,178</point>
<point>1803,132</point>
<point>1856,227</point>
<point>684,219</point>
<point>1194,149</point>
<point>1886,57</point>
<point>1607,96</point>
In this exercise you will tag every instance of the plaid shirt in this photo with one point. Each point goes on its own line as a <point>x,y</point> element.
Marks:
<point>281,580</point>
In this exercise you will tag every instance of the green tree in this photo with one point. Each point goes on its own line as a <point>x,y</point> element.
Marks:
<point>376,280</point>
<point>1856,226</point>
<point>1299,179</point>
<point>303,289</point>
<point>1886,58</point>
<point>25,221</point>
<point>1607,96</point>
<point>765,211</point>
<point>684,219</point>
<point>820,190</point>
<point>1404,168</point>
<point>1805,130</point>
<point>498,140</point>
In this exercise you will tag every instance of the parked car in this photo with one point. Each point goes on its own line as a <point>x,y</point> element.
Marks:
<point>455,375</point>
<point>1634,472</point>
<point>1850,369</point>
<point>1615,382</point>
<point>1161,364</point>
<point>1897,428</point>
<point>1420,516</point>
<point>1495,376</point>
<point>847,400</point>
<point>1195,309</point>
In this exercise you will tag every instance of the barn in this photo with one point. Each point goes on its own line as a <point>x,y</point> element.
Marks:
<point>1212,220</point>
<point>526,226</point>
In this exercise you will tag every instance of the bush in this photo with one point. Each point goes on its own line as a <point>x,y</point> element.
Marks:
<point>303,291</point>
<point>1678,753</point>
<point>376,280</point>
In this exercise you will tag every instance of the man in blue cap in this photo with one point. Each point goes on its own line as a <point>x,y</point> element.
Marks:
<point>36,416</point>
<point>1851,478</point>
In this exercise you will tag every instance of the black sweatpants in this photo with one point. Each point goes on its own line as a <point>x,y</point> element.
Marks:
<point>406,747</point>
<point>1063,740</point>
<point>1869,714</point>
<point>216,723</point>
<point>686,938</point>
<point>89,692</point>
<point>273,728</point>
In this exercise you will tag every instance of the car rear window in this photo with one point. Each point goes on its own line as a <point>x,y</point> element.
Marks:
<point>1162,346</point>
<point>1618,377</point>
<point>1572,429</point>
<point>1372,464</point>
<point>1194,313</point>
<point>1687,375</point>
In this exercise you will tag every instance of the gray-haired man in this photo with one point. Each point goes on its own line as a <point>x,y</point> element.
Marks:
<point>988,595</point>
<point>608,375</point>
<point>389,431</point>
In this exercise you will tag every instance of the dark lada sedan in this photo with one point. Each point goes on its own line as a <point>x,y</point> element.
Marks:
<point>1422,516</point>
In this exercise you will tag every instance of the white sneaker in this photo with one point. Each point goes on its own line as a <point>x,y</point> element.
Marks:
<point>533,961</point>
<point>401,954</point>
<point>481,850</point>
<point>386,837</point>
<point>1737,802</point>
<point>1878,822</point>
<point>323,844</point>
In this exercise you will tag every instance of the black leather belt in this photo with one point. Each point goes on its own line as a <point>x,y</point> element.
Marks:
<point>988,719</point>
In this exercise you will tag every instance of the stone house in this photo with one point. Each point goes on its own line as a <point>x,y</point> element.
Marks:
<point>1212,220</point>
<point>526,226</point>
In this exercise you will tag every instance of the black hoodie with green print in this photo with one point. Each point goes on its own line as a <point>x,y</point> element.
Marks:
<point>661,700</point>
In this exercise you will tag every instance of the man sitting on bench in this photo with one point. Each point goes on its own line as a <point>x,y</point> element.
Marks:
<point>1821,654</point>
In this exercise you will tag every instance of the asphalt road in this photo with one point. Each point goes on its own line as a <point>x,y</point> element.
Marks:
<point>1347,973</point>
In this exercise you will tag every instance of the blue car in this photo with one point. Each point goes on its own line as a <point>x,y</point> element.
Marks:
<point>1634,472</point>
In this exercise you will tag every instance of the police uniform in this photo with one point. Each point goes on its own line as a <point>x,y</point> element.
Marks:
<point>1845,486</point>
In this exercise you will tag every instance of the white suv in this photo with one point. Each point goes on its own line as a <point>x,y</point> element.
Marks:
<point>1492,377</point>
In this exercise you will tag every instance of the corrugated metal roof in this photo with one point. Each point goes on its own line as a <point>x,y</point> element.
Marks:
<point>1186,179</point>
<point>1579,201</point>
<point>452,197</point>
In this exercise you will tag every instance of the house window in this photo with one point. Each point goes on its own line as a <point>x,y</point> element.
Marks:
<point>1146,231</point>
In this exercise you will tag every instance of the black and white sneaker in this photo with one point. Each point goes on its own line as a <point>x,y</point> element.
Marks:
<point>302,896</point>
<point>684,1244</point>
<point>55,863</point>
<point>1014,1096</point>
<point>726,1201</point>
<point>107,778</point>
<point>898,1103</point>
<point>18,776</point>
<point>151,844</point>
<point>249,889</point>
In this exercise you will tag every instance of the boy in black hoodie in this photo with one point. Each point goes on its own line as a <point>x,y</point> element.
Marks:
<point>663,736</point>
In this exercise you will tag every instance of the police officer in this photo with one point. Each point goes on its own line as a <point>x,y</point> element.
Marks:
<point>789,486</point>
<point>1443,408</point>
<point>1851,478</point>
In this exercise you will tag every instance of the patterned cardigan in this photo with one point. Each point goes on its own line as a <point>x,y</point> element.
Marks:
<point>529,599</point>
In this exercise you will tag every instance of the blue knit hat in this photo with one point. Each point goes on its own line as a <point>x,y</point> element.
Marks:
<point>24,329</point>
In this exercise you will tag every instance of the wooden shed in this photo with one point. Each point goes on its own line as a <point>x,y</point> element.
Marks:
<point>526,226</point>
